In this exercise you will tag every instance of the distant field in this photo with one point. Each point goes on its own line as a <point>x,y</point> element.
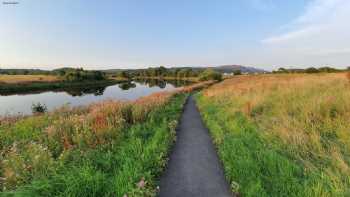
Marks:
<point>282,135</point>
<point>13,79</point>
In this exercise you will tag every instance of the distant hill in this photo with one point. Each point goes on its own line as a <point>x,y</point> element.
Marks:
<point>222,69</point>
<point>232,68</point>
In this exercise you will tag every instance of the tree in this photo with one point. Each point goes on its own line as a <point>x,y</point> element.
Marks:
<point>237,72</point>
<point>210,74</point>
<point>311,70</point>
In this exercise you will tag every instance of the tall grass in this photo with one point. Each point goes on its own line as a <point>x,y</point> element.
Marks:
<point>109,148</point>
<point>282,135</point>
<point>102,149</point>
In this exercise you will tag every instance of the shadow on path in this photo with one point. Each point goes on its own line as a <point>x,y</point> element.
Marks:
<point>194,168</point>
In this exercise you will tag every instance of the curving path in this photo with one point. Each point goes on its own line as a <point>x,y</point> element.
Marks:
<point>194,168</point>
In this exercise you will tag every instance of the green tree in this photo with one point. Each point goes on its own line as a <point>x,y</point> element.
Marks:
<point>210,74</point>
<point>237,72</point>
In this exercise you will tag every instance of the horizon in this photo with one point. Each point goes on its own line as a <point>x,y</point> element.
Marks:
<point>263,34</point>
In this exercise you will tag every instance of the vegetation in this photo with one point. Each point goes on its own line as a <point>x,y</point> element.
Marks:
<point>69,74</point>
<point>282,135</point>
<point>25,79</point>
<point>38,108</point>
<point>24,72</point>
<point>110,148</point>
<point>309,70</point>
<point>210,74</point>
<point>106,149</point>
<point>161,72</point>
<point>237,72</point>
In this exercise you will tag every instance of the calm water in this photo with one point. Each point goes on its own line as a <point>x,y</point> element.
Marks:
<point>21,103</point>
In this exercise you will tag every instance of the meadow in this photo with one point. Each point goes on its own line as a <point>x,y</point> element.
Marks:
<point>283,134</point>
<point>15,79</point>
<point>110,148</point>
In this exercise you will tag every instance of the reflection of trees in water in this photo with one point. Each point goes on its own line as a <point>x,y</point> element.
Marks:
<point>162,83</point>
<point>97,91</point>
<point>127,85</point>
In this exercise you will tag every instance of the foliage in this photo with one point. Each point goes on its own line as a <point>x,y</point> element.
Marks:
<point>210,74</point>
<point>82,75</point>
<point>38,108</point>
<point>325,69</point>
<point>237,72</point>
<point>164,72</point>
<point>282,135</point>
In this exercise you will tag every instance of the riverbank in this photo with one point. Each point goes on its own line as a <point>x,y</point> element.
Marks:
<point>282,135</point>
<point>107,148</point>
<point>11,88</point>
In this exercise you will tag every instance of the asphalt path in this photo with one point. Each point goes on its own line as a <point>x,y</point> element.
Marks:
<point>194,168</point>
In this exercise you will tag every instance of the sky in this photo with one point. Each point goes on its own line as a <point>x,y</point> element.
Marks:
<point>107,34</point>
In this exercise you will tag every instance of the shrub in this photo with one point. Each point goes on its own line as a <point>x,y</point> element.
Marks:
<point>39,108</point>
<point>210,74</point>
<point>237,72</point>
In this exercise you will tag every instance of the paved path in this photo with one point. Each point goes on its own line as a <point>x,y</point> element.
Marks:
<point>194,168</point>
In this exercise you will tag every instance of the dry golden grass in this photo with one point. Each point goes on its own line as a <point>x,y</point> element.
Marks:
<point>13,79</point>
<point>308,113</point>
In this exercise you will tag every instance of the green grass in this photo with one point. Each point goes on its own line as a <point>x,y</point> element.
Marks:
<point>281,135</point>
<point>136,156</point>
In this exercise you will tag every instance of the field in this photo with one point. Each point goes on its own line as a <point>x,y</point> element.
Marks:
<point>15,79</point>
<point>282,135</point>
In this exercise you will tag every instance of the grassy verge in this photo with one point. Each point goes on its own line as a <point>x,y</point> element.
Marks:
<point>107,149</point>
<point>282,135</point>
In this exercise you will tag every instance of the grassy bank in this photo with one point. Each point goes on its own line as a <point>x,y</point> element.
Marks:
<point>46,86</point>
<point>106,149</point>
<point>15,79</point>
<point>282,135</point>
<point>109,148</point>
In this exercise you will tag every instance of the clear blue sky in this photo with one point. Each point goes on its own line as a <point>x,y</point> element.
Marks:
<point>139,33</point>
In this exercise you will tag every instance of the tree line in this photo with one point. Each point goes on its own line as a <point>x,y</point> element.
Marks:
<point>325,69</point>
<point>176,73</point>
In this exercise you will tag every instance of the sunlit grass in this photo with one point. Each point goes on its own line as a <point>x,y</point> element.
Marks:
<point>13,79</point>
<point>104,149</point>
<point>282,134</point>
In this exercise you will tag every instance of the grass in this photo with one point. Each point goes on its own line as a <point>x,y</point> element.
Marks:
<point>282,135</point>
<point>14,79</point>
<point>102,150</point>
<point>111,148</point>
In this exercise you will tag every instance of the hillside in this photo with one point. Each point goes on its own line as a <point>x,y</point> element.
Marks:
<point>222,69</point>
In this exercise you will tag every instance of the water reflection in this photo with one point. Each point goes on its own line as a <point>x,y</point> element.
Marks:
<point>127,85</point>
<point>162,83</point>
<point>21,103</point>
<point>99,90</point>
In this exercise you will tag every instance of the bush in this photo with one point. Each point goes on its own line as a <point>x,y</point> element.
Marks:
<point>210,74</point>
<point>39,108</point>
<point>237,72</point>
<point>82,75</point>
